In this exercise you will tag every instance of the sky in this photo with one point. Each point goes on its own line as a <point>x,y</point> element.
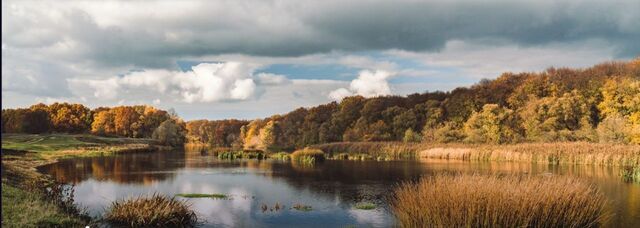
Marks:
<point>252,59</point>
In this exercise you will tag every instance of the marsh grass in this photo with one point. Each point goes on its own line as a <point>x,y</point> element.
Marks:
<point>377,150</point>
<point>494,201</point>
<point>308,155</point>
<point>365,206</point>
<point>547,153</point>
<point>231,155</point>
<point>152,211</point>
<point>202,195</point>
<point>631,174</point>
<point>280,156</point>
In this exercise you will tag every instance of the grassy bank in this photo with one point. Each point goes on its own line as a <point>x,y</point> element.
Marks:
<point>30,192</point>
<point>491,201</point>
<point>21,208</point>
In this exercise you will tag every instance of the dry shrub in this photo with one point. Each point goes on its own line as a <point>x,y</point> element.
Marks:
<point>153,211</point>
<point>493,201</point>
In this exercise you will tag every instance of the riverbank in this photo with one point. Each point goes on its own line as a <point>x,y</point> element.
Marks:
<point>23,204</point>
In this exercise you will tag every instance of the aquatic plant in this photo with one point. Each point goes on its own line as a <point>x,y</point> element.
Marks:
<point>152,211</point>
<point>302,207</point>
<point>202,195</point>
<point>631,174</point>
<point>308,155</point>
<point>231,155</point>
<point>280,156</point>
<point>499,201</point>
<point>365,206</point>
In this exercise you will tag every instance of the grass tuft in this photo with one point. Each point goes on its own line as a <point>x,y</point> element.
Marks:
<point>202,195</point>
<point>281,156</point>
<point>153,211</point>
<point>308,155</point>
<point>492,201</point>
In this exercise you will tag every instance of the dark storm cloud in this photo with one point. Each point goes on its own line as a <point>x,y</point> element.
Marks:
<point>142,37</point>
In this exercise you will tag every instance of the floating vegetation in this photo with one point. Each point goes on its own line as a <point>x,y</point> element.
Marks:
<point>154,211</point>
<point>276,207</point>
<point>202,195</point>
<point>365,206</point>
<point>302,207</point>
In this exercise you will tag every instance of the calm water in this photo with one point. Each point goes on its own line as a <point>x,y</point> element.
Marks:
<point>331,188</point>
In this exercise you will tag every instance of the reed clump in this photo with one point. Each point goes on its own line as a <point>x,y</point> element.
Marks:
<point>391,150</point>
<point>280,156</point>
<point>153,211</point>
<point>498,201</point>
<point>631,174</point>
<point>308,155</point>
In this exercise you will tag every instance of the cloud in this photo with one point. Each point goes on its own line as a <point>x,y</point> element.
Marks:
<point>368,84</point>
<point>206,82</point>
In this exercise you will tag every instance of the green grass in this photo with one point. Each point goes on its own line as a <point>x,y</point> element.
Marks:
<point>43,143</point>
<point>25,209</point>
<point>202,195</point>
<point>365,206</point>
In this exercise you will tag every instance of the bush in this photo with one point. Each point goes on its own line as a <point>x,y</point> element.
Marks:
<point>613,130</point>
<point>154,211</point>
<point>492,201</point>
<point>448,133</point>
<point>308,155</point>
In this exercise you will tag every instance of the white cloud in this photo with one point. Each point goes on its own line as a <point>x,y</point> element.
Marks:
<point>339,94</point>
<point>368,84</point>
<point>271,79</point>
<point>206,82</point>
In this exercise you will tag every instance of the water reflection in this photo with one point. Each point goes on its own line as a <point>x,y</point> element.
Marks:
<point>330,188</point>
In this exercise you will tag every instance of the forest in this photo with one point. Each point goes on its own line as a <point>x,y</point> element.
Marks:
<point>596,104</point>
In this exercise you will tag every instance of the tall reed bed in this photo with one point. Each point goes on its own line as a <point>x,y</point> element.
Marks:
<point>308,155</point>
<point>376,150</point>
<point>153,211</point>
<point>498,201</point>
<point>553,153</point>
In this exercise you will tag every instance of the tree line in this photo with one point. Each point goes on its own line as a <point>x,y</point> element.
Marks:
<point>140,121</point>
<point>596,104</point>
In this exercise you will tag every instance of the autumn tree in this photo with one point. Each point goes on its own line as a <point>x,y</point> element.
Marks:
<point>493,124</point>
<point>171,132</point>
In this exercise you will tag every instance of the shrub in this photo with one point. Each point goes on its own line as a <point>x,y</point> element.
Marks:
<point>308,155</point>
<point>411,136</point>
<point>448,133</point>
<point>613,129</point>
<point>492,201</point>
<point>154,211</point>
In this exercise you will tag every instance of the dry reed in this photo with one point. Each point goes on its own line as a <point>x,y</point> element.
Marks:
<point>553,153</point>
<point>308,155</point>
<point>153,211</point>
<point>493,201</point>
